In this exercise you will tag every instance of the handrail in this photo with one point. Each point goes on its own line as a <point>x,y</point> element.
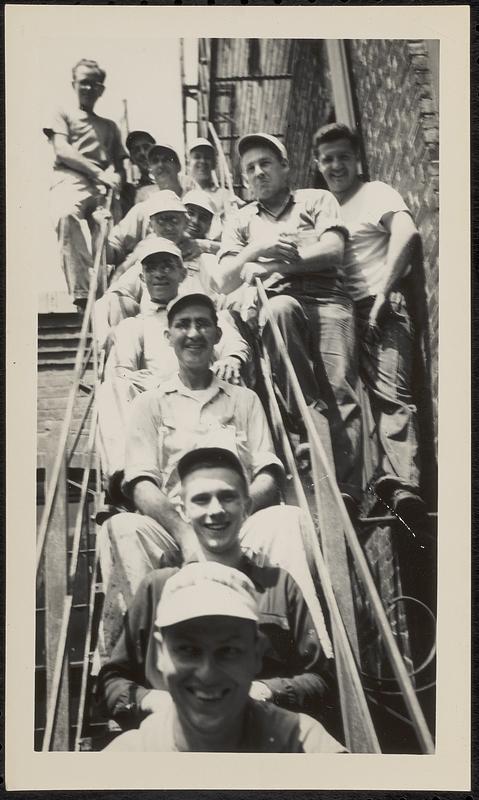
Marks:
<point>369,740</point>
<point>50,498</point>
<point>412,703</point>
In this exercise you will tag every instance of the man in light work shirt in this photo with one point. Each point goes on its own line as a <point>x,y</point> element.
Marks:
<point>192,409</point>
<point>294,241</point>
<point>382,242</point>
<point>88,155</point>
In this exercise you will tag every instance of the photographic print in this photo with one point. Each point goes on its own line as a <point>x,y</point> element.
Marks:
<point>233,314</point>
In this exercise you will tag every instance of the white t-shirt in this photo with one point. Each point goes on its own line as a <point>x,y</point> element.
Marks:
<point>366,249</point>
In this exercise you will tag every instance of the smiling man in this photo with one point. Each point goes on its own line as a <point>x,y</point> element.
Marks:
<point>201,164</point>
<point>88,155</point>
<point>138,143</point>
<point>142,358</point>
<point>293,240</point>
<point>295,674</point>
<point>191,409</point>
<point>382,244</point>
<point>209,651</point>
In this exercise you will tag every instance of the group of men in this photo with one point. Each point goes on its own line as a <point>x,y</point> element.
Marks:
<point>224,644</point>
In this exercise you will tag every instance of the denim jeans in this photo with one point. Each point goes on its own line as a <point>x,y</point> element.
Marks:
<point>386,370</point>
<point>320,338</point>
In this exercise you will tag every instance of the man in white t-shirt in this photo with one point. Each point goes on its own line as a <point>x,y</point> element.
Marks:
<point>378,255</point>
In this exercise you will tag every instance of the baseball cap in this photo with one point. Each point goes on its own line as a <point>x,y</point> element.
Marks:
<point>196,197</point>
<point>206,589</point>
<point>165,200</point>
<point>252,139</point>
<point>157,244</point>
<point>136,135</point>
<point>210,456</point>
<point>163,146</point>
<point>187,300</point>
<point>200,142</point>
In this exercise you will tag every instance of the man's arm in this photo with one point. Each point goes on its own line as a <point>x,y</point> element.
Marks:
<point>309,684</point>
<point>153,502</point>
<point>123,689</point>
<point>404,238</point>
<point>125,236</point>
<point>268,471</point>
<point>67,155</point>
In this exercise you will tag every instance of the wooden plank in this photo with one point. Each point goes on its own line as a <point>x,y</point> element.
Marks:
<point>55,571</point>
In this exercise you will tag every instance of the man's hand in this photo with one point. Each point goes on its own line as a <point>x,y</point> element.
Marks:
<point>259,691</point>
<point>153,701</point>
<point>190,248</point>
<point>110,178</point>
<point>375,318</point>
<point>228,369</point>
<point>278,247</point>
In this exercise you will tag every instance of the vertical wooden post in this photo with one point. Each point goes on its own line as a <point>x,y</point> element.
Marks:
<point>56,586</point>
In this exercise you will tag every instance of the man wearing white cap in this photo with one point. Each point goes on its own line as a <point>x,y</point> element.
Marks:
<point>297,663</point>
<point>209,652</point>
<point>142,359</point>
<point>201,163</point>
<point>294,242</point>
<point>193,408</point>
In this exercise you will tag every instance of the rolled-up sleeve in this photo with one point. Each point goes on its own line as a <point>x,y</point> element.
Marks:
<point>128,344</point>
<point>231,342</point>
<point>259,441</point>
<point>234,237</point>
<point>143,441</point>
<point>326,213</point>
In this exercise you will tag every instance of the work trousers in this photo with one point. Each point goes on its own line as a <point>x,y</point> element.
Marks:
<point>73,198</point>
<point>386,371</point>
<point>132,545</point>
<point>320,338</point>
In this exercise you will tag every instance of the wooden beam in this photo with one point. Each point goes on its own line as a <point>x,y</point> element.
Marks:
<point>56,585</point>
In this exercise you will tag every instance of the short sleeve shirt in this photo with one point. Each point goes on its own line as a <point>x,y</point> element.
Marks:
<point>366,249</point>
<point>307,214</point>
<point>96,138</point>
<point>266,729</point>
<point>167,422</point>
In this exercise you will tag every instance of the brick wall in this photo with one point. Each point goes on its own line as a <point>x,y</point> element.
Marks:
<point>397,111</point>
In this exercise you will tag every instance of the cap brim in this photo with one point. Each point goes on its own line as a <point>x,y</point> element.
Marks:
<point>224,602</point>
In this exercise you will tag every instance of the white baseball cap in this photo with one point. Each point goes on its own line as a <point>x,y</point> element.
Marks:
<point>196,197</point>
<point>200,142</point>
<point>157,244</point>
<point>206,589</point>
<point>165,200</point>
<point>252,139</point>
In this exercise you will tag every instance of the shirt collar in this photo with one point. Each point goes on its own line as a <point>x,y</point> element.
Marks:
<point>149,308</point>
<point>290,200</point>
<point>175,384</point>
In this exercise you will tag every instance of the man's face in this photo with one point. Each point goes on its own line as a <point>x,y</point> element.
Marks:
<point>265,172</point>
<point>162,273</point>
<point>216,503</point>
<point>202,163</point>
<point>208,665</point>
<point>87,86</point>
<point>337,161</point>
<point>199,221</point>
<point>193,334</point>
<point>139,150</point>
<point>169,225</point>
<point>163,166</point>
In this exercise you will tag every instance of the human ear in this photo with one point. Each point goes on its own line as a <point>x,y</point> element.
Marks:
<point>166,334</point>
<point>159,650</point>
<point>219,334</point>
